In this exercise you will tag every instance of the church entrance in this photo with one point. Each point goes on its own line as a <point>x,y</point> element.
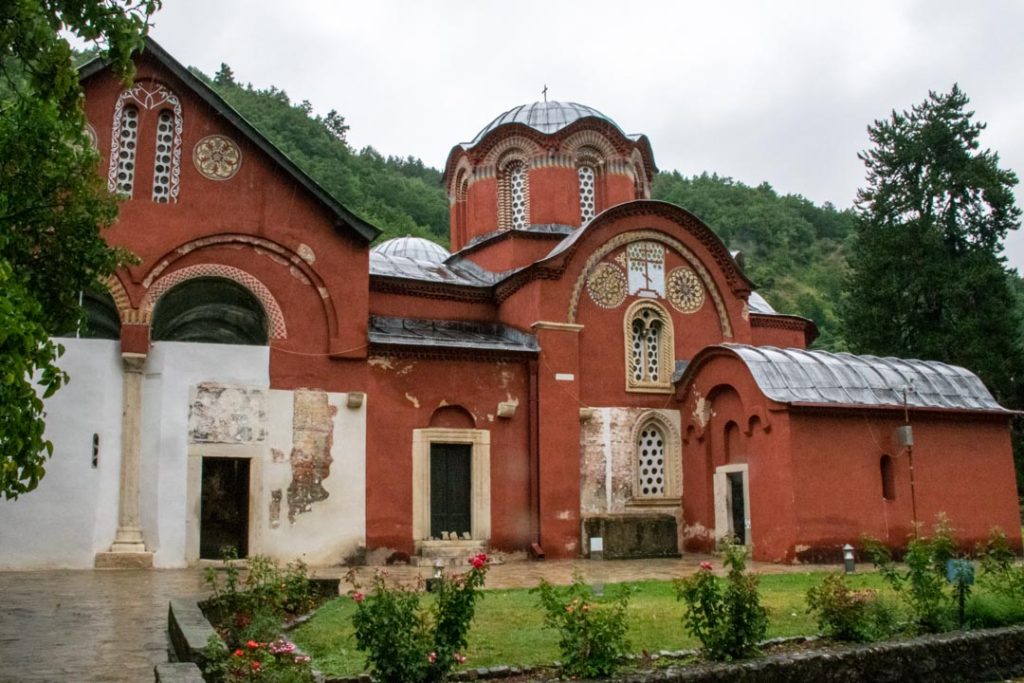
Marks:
<point>224,508</point>
<point>450,489</point>
<point>732,503</point>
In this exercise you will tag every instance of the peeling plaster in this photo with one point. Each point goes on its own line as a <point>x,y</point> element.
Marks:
<point>276,455</point>
<point>382,362</point>
<point>702,411</point>
<point>324,294</point>
<point>405,369</point>
<point>227,414</point>
<point>564,514</point>
<point>312,438</point>
<point>745,313</point>
<point>299,275</point>
<point>412,399</point>
<point>275,508</point>
<point>490,417</point>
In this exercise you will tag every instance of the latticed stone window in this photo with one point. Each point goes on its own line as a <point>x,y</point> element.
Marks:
<point>517,195</point>
<point>162,158</point>
<point>650,452</point>
<point>649,361</point>
<point>588,201</point>
<point>127,144</point>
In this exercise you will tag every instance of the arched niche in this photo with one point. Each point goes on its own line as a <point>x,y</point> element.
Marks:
<point>453,417</point>
<point>211,310</point>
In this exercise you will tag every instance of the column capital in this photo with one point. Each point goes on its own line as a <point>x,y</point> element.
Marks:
<point>133,362</point>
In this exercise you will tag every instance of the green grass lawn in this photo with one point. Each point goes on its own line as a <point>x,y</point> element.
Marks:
<point>508,627</point>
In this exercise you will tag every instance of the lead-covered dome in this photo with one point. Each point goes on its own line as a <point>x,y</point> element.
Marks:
<point>416,248</point>
<point>545,117</point>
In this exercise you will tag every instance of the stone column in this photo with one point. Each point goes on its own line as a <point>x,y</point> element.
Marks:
<point>129,549</point>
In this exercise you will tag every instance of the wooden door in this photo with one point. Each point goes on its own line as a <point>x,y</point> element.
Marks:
<point>450,486</point>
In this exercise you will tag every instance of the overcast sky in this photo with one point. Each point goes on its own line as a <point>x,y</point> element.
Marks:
<point>760,91</point>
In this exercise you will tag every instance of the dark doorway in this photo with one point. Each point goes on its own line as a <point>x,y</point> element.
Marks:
<point>450,481</point>
<point>224,508</point>
<point>738,509</point>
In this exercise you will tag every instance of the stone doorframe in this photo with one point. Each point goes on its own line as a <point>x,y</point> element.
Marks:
<point>194,495</point>
<point>480,476</point>
<point>723,509</point>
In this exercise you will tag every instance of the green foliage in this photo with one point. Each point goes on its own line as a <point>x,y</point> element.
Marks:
<point>792,248</point>
<point>843,613</point>
<point>1001,573</point>
<point>728,620</point>
<point>405,643</point>
<point>53,204</point>
<point>922,585</point>
<point>254,608</point>
<point>401,196</point>
<point>927,276</point>
<point>592,635</point>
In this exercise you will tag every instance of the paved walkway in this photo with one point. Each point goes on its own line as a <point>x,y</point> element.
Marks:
<point>100,626</point>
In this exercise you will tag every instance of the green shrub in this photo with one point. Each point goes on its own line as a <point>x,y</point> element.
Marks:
<point>405,643</point>
<point>922,585</point>
<point>846,614</point>
<point>276,661</point>
<point>592,635</point>
<point>1001,573</point>
<point>725,616</point>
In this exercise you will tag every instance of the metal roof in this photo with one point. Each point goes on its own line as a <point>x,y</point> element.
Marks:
<point>458,272</point>
<point>820,377</point>
<point>758,304</point>
<point>413,247</point>
<point>450,334</point>
<point>545,117</point>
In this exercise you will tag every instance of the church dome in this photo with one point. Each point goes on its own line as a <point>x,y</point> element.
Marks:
<point>544,117</point>
<point>415,248</point>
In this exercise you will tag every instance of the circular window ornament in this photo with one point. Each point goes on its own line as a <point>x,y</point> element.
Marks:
<point>685,292</point>
<point>217,157</point>
<point>607,286</point>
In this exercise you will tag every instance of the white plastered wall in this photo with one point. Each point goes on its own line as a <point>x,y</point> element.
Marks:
<point>72,515</point>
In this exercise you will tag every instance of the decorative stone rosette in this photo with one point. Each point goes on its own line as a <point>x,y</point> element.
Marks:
<point>607,286</point>
<point>685,292</point>
<point>217,157</point>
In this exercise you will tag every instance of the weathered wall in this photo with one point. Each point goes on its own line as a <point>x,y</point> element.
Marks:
<point>963,468</point>
<point>72,515</point>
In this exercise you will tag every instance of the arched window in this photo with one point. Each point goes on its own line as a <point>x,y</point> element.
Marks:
<point>162,156</point>
<point>649,362</point>
<point>888,478</point>
<point>101,319</point>
<point>515,195</point>
<point>650,464</point>
<point>588,193</point>
<point>127,143</point>
<point>212,310</point>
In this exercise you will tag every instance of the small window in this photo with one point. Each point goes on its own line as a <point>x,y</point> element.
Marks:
<point>588,201</point>
<point>126,145</point>
<point>162,157</point>
<point>649,362</point>
<point>515,196</point>
<point>650,461</point>
<point>888,478</point>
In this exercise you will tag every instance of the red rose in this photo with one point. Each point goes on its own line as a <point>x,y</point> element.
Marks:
<point>358,597</point>
<point>705,565</point>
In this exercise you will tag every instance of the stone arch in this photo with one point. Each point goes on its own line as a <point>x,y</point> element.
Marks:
<point>123,303</point>
<point>276,328</point>
<point>582,139</point>
<point>639,235</point>
<point>518,145</point>
<point>452,417</point>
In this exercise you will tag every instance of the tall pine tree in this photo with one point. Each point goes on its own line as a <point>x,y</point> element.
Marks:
<point>928,278</point>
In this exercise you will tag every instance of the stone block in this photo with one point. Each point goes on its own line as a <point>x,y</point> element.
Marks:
<point>124,560</point>
<point>632,536</point>
<point>178,673</point>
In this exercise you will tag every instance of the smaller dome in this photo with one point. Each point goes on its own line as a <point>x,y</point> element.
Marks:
<point>545,117</point>
<point>415,248</point>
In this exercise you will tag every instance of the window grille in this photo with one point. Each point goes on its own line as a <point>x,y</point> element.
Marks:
<point>588,204</point>
<point>162,158</point>
<point>517,195</point>
<point>127,144</point>
<point>650,449</point>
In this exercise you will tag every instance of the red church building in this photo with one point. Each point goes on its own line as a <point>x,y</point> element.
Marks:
<point>585,364</point>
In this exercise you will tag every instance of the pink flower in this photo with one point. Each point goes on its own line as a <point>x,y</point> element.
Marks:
<point>301,659</point>
<point>585,608</point>
<point>478,561</point>
<point>358,597</point>
<point>569,608</point>
<point>461,659</point>
<point>432,657</point>
<point>255,666</point>
<point>705,565</point>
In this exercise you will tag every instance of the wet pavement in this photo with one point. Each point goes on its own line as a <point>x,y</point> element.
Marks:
<point>107,625</point>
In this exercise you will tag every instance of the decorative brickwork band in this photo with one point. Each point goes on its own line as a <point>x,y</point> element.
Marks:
<point>275,317</point>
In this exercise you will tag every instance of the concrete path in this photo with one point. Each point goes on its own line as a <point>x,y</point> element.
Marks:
<point>107,625</point>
